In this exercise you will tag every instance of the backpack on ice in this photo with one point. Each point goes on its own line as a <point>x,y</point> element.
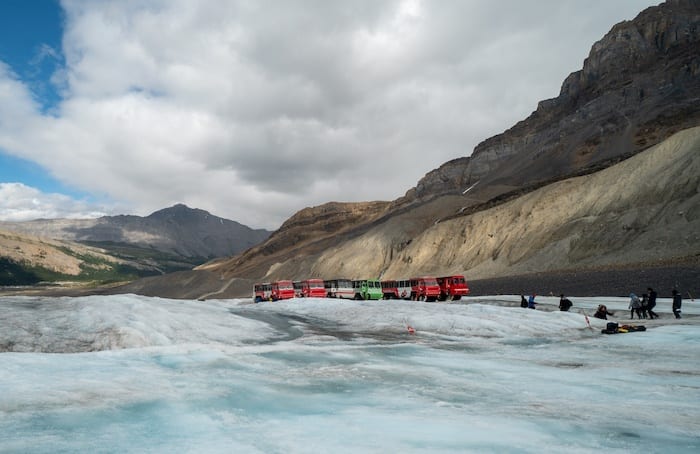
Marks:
<point>610,328</point>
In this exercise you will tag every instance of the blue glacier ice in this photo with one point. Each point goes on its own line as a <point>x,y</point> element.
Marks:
<point>135,374</point>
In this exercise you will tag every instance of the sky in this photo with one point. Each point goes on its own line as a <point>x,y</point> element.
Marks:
<point>255,110</point>
<point>127,373</point>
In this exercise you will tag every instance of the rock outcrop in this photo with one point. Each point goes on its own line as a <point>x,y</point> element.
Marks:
<point>639,85</point>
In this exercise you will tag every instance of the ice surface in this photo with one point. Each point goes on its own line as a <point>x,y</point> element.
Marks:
<point>125,321</point>
<point>156,375</point>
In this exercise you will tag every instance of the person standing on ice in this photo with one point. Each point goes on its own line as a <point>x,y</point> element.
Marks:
<point>531,304</point>
<point>564,303</point>
<point>645,305</point>
<point>523,301</point>
<point>635,306</point>
<point>651,304</point>
<point>677,301</point>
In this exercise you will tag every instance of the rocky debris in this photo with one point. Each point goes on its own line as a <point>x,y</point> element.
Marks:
<point>332,217</point>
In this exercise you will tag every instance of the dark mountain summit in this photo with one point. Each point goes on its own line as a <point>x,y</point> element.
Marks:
<point>181,230</point>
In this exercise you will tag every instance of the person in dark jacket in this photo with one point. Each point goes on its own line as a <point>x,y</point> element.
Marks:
<point>677,301</point>
<point>523,301</point>
<point>564,303</point>
<point>645,305</point>
<point>602,312</point>
<point>651,304</point>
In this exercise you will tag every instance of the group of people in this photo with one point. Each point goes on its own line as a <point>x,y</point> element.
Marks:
<point>529,302</point>
<point>643,307</point>
<point>564,303</point>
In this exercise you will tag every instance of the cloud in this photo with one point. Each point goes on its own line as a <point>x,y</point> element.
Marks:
<point>254,110</point>
<point>23,203</point>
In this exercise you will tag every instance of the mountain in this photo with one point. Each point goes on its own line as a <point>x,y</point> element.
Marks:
<point>599,180</point>
<point>171,239</point>
<point>640,217</point>
<point>639,85</point>
<point>178,230</point>
<point>643,210</point>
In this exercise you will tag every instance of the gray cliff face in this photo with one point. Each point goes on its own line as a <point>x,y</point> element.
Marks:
<point>448,176</point>
<point>639,85</point>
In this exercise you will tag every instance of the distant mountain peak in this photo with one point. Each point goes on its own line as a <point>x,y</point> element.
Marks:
<point>180,211</point>
<point>178,230</point>
<point>175,208</point>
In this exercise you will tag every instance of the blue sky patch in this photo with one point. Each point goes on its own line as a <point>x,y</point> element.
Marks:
<point>17,170</point>
<point>30,43</point>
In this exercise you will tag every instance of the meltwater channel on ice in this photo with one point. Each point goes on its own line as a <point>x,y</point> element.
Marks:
<point>135,374</point>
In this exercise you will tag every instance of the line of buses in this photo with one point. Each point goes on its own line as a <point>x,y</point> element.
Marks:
<point>416,289</point>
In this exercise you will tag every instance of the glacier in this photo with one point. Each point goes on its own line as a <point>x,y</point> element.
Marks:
<point>129,373</point>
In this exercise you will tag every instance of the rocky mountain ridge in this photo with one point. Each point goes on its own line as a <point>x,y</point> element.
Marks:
<point>643,209</point>
<point>638,86</point>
